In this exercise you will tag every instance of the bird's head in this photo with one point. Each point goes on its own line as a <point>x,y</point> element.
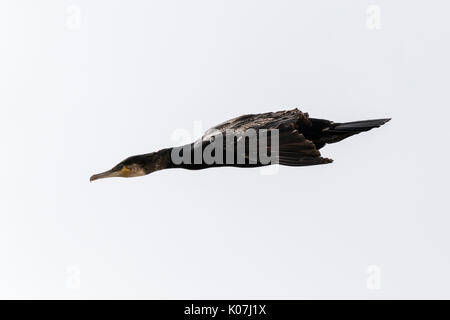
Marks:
<point>134,166</point>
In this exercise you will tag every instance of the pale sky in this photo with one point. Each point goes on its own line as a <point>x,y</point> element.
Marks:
<point>85,84</point>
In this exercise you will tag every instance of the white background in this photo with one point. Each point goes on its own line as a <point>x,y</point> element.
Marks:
<point>85,84</point>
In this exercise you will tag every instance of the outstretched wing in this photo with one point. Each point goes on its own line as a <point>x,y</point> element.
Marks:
<point>294,148</point>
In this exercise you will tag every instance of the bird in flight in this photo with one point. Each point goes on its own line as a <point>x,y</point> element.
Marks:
<point>289,138</point>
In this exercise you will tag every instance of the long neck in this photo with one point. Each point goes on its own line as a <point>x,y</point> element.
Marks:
<point>158,160</point>
<point>174,155</point>
<point>189,157</point>
<point>193,159</point>
<point>165,159</point>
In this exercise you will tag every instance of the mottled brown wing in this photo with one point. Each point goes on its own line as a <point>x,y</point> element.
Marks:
<point>269,120</point>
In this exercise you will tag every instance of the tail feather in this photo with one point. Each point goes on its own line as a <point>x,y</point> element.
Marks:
<point>322,132</point>
<point>357,126</point>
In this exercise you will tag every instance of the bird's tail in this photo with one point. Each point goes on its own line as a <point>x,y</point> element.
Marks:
<point>357,126</point>
<point>322,131</point>
<point>338,131</point>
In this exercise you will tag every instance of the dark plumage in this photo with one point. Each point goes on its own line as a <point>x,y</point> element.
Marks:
<point>300,139</point>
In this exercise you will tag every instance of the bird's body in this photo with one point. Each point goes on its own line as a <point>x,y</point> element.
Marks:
<point>299,139</point>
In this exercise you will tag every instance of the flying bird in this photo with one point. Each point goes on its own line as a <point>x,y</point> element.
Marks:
<point>298,141</point>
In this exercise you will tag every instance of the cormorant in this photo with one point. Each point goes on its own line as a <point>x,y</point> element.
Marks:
<point>299,139</point>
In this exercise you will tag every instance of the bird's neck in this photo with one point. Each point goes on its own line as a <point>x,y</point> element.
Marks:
<point>184,157</point>
<point>190,157</point>
<point>163,159</point>
<point>158,160</point>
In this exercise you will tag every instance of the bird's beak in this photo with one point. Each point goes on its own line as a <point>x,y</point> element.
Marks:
<point>107,174</point>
